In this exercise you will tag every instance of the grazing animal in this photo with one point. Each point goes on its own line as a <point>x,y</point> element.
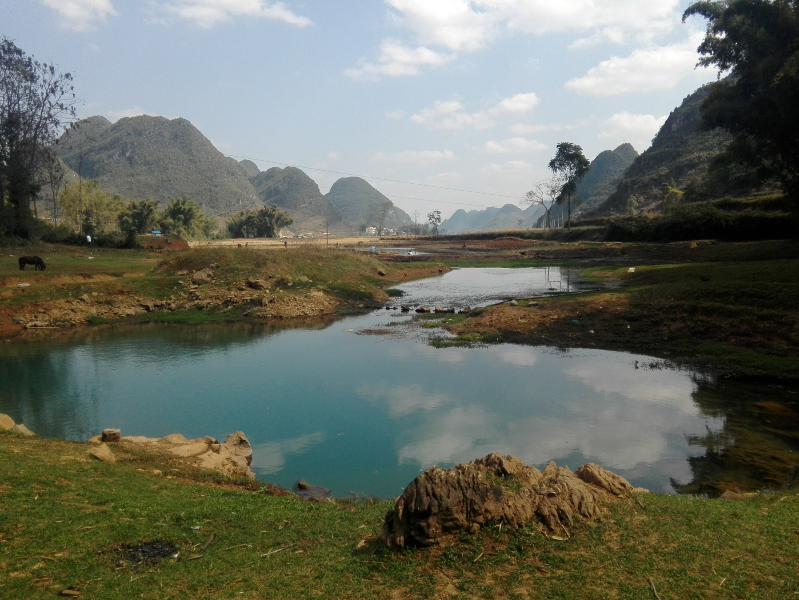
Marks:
<point>38,263</point>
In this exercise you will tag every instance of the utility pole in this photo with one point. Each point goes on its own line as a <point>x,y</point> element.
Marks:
<point>327,232</point>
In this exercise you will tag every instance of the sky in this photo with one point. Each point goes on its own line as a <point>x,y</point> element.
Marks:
<point>440,104</point>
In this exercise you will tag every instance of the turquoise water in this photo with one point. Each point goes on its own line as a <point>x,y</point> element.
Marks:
<point>364,413</point>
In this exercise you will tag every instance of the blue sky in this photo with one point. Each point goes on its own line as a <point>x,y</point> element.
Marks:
<point>466,94</point>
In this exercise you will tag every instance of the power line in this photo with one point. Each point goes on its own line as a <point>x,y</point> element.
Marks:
<point>438,187</point>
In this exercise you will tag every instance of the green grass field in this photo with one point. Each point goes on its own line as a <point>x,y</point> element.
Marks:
<point>69,522</point>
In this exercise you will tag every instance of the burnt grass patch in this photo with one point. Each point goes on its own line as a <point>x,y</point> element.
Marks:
<point>133,555</point>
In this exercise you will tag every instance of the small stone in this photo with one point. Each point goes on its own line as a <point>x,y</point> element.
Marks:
<point>103,453</point>
<point>405,308</point>
<point>202,276</point>
<point>175,438</point>
<point>95,439</point>
<point>85,298</point>
<point>381,272</point>
<point>181,272</point>
<point>111,435</point>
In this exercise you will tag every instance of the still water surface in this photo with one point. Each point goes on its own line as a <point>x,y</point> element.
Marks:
<point>365,413</point>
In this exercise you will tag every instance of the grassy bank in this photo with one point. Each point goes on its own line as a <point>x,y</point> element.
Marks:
<point>69,522</point>
<point>147,286</point>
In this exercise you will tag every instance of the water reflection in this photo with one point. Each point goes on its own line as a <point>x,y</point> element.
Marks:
<point>757,448</point>
<point>484,286</point>
<point>367,413</point>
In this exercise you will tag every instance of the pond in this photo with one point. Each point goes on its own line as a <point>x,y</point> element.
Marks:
<point>334,404</point>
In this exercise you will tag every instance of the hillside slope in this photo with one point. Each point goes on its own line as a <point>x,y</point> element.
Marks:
<point>604,175</point>
<point>158,158</point>
<point>360,203</point>
<point>680,153</point>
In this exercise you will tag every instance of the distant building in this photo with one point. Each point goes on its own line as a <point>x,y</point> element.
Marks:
<point>155,232</point>
<point>371,231</point>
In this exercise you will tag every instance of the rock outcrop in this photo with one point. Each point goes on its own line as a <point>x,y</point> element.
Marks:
<point>8,424</point>
<point>232,458</point>
<point>497,489</point>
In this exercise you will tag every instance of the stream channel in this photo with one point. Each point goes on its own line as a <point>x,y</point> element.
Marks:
<point>363,404</point>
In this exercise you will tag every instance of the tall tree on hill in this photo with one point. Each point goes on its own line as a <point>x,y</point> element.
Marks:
<point>569,162</point>
<point>757,41</point>
<point>35,101</point>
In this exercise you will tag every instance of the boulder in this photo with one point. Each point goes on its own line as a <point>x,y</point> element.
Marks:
<point>404,307</point>
<point>422,309</point>
<point>103,453</point>
<point>238,445</point>
<point>20,428</point>
<point>219,458</point>
<point>202,276</point>
<point>257,284</point>
<point>6,422</point>
<point>381,272</point>
<point>307,491</point>
<point>111,435</point>
<point>175,438</point>
<point>496,489</point>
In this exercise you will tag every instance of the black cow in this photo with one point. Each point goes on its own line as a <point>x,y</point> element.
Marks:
<point>38,263</point>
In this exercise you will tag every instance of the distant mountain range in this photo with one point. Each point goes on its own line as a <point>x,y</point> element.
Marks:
<point>158,158</point>
<point>492,219</point>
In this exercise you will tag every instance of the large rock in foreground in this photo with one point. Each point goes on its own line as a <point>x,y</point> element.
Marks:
<point>496,489</point>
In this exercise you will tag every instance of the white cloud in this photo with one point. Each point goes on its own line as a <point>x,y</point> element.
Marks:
<point>512,166</point>
<point>636,129</point>
<point>454,24</point>
<point>452,114</point>
<point>398,60</point>
<point>395,114</point>
<point>645,70</point>
<point>418,157</point>
<point>520,104</point>
<point>208,13</point>
<point>79,15</point>
<point>469,25</point>
<point>116,115</point>
<point>514,145</point>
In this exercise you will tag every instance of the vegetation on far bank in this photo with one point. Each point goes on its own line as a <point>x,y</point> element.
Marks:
<point>68,522</point>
